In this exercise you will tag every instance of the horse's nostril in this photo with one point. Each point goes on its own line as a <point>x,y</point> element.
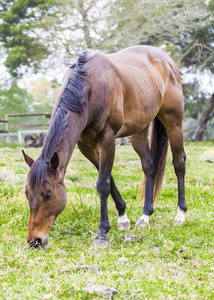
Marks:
<point>37,242</point>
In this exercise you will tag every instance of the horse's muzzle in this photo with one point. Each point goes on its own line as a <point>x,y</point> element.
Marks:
<point>37,242</point>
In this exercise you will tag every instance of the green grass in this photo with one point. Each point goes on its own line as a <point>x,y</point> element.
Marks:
<point>165,262</point>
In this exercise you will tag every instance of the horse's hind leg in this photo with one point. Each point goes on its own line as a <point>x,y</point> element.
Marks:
<point>173,125</point>
<point>91,153</point>
<point>179,159</point>
<point>141,146</point>
<point>180,173</point>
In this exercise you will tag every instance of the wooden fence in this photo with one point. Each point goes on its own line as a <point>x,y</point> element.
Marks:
<point>4,122</point>
<point>8,126</point>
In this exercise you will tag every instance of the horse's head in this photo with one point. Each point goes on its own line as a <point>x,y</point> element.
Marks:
<point>47,197</point>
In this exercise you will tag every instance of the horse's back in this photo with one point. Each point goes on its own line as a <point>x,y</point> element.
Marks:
<point>137,84</point>
<point>149,63</point>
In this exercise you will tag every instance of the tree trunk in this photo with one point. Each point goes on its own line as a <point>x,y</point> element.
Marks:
<point>86,30</point>
<point>202,126</point>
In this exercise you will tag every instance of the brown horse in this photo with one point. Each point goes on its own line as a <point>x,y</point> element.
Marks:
<point>103,97</point>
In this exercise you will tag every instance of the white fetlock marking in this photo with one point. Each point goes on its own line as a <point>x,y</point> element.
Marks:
<point>123,219</point>
<point>123,222</point>
<point>143,220</point>
<point>180,217</point>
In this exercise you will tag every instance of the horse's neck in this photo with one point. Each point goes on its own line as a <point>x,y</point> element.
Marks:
<point>76,125</point>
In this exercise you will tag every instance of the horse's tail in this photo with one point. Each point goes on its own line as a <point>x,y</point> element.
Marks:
<point>159,147</point>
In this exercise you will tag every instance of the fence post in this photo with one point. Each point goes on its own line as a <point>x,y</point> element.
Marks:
<point>7,128</point>
<point>19,136</point>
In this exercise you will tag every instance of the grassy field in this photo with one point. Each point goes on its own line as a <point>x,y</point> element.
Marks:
<point>163,262</point>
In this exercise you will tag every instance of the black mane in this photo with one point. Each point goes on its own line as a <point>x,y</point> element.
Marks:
<point>73,96</point>
<point>73,99</point>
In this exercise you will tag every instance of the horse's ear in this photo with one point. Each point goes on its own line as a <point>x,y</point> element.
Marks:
<point>54,162</point>
<point>27,159</point>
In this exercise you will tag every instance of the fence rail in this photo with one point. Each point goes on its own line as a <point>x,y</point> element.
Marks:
<point>27,125</point>
<point>7,124</point>
<point>28,115</point>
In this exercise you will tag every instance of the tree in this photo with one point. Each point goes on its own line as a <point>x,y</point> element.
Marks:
<point>206,116</point>
<point>195,101</point>
<point>155,22</point>
<point>200,55</point>
<point>75,26</point>
<point>14,100</point>
<point>44,93</point>
<point>19,34</point>
<point>39,33</point>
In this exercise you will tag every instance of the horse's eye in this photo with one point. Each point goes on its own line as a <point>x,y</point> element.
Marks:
<point>47,196</point>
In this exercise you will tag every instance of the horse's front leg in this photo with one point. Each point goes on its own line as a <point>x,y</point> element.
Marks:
<point>91,153</point>
<point>123,222</point>
<point>106,147</point>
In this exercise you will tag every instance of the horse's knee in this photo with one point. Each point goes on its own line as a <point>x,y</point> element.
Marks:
<point>103,187</point>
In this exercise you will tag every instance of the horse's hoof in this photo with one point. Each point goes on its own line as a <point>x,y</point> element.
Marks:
<point>123,222</point>
<point>142,223</point>
<point>123,226</point>
<point>180,217</point>
<point>101,242</point>
<point>179,222</point>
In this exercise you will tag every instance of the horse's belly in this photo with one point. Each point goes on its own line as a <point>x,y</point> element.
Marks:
<point>135,124</point>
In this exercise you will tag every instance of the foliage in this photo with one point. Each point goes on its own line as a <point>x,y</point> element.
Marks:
<point>32,31</point>
<point>14,101</point>
<point>198,52</point>
<point>186,33</point>
<point>18,33</point>
<point>163,262</point>
<point>194,99</point>
<point>79,24</point>
<point>74,25</point>
<point>44,93</point>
